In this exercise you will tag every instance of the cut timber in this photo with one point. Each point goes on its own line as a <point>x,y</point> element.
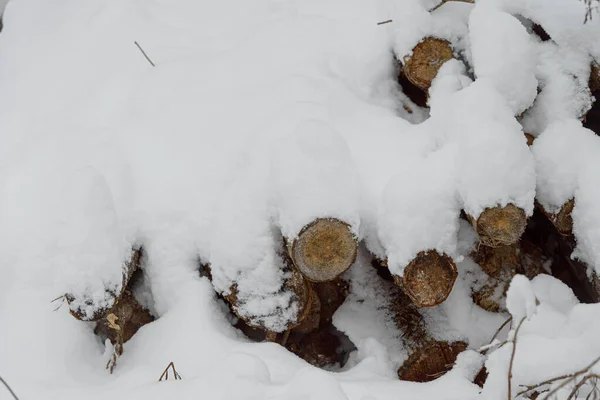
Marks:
<point>563,219</point>
<point>428,358</point>
<point>324,249</point>
<point>296,284</point>
<point>427,58</point>
<point>500,226</point>
<point>496,260</point>
<point>428,279</point>
<point>129,267</point>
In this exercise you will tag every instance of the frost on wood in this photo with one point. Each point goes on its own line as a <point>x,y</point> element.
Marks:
<point>324,249</point>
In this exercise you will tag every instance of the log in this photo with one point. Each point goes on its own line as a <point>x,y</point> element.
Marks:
<point>428,358</point>
<point>501,264</point>
<point>500,226</point>
<point>428,279</point>
<point>324,249</point>
<point>129,267</point>
<point>427,58</point>
<point>296,284</point>
<point>562,219</point>
<point>595,77</point>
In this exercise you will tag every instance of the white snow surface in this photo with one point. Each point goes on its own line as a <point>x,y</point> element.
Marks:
<point>257,118</point>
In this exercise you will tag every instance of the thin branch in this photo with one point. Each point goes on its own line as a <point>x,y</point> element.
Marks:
<point>9,389</point>
<point>144,53</point>
<point>512,357</point>
<point>448,1</point>
<point>385,22</point>
<point>500,329</point>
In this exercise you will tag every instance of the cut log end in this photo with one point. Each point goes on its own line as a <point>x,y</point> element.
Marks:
<point>324,249</point>
<point>426,60</point>
<point>563,219</point>
<point>428,279</point>
<point>530,139</point>
<point>85,309</point>
<point>430,361</point>
<point>500,226</point>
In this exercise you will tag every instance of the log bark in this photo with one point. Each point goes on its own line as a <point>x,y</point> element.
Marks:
<point>500,226</point>
<point>595,77</point>
<point>427,58</point>
<point>428,279</point>
<point>324,249</point>
<point>428,358</point>
<point>129,267</point>
<point>501,264</point>
<point>563,219</point>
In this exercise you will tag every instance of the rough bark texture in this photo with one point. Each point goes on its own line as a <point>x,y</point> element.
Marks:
<point>428,279</point>
<point>563,219</point>
<point>428,358</point>
<point>427,58</point>
<point>129,267</point>
<point>595,78</point>
<point>500,226</point>
<point>324,249</point>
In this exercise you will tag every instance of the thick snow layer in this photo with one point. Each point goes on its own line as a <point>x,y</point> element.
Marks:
<point>204,158</point>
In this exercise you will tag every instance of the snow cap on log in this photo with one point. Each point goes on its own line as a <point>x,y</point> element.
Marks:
<point>324,249</point>
<point>313,176</point>
<point>247,258</point>
<point>503,53</point>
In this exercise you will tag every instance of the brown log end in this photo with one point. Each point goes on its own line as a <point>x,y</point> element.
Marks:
<point>128,315</point>
<point>129,267</point>
<point>500,226</point>
<point>430,361</point>
<point>563,219</point>
<point>324,249</point>
<point>595,77</point>
<point>428,279</point>
<point>530,139</point>
<point>427,58</point>
<point>491,295</point>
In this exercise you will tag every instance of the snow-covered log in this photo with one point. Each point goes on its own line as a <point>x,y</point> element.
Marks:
<point>316,200</point>
<point>563,218</point>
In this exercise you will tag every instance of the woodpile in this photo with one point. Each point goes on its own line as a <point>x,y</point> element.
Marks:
<point>500,226</point>
<point>427,58</point>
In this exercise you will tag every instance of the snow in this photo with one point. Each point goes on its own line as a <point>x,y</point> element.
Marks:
<point>257,118</point>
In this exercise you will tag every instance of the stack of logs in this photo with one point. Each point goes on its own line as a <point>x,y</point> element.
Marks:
<point>326,248</point>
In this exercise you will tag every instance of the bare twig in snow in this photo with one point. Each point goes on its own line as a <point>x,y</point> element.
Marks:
<point>512,357</point>
<point>9,389</point>
<point>144,53</point>
<point>165,374</point>
<point>385,22</point>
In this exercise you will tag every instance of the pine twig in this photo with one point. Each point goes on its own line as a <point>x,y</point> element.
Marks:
<point>144,53</point>
<point>9,389</point>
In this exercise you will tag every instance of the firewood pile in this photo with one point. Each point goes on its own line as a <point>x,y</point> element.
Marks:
<point>314,260</point>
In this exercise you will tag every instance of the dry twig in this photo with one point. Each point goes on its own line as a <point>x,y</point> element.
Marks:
<point>512,357</point>
<point>165,374</point>
<point>9,389</point>
<point>144,53</point>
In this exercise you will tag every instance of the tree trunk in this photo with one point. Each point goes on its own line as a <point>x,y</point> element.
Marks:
<point>500,226</point>
<point>324,249</point>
